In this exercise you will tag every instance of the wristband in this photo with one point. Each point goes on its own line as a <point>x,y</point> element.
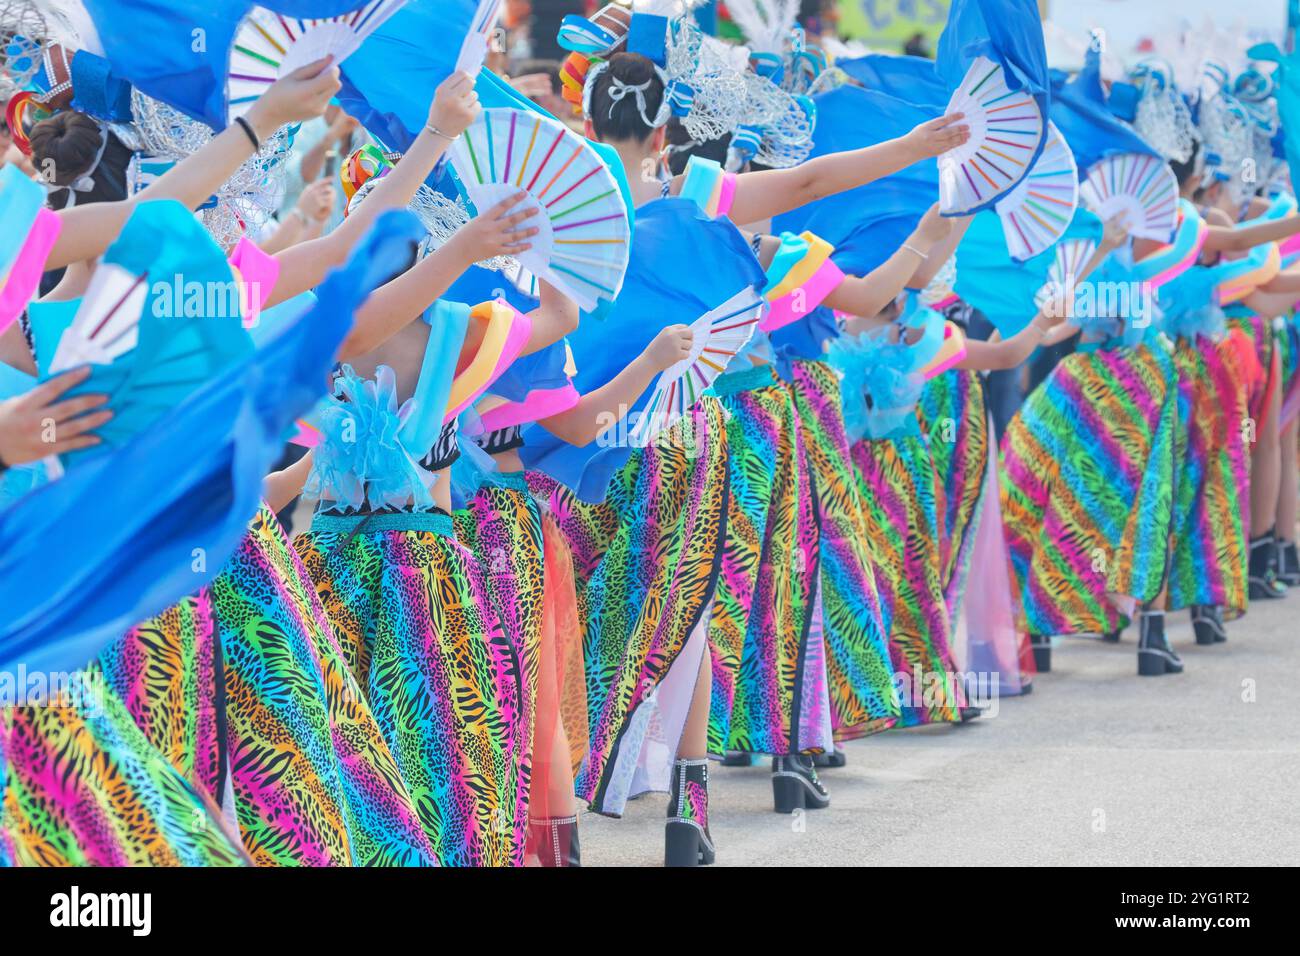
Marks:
<point>247,127</point>
<point>430,128</point>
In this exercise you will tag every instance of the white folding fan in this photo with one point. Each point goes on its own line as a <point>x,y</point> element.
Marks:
<point>582,244</point>
<point>1070,258</point>
<point>1006,127</point>
<point>1037,211</point>
<point>474,49</point>
<point>269,45</point>
<point>717,336</point>
<point>108,323</point>
<point>1140,189</point>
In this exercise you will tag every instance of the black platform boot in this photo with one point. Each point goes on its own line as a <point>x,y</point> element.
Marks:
<point>795,785</point>
<point>1288,560</point>
<point>686,834</point>
<point>1155,656</point>
<point>554,841</point>
<point>1264,584</point>
<point>1207,622</point>
<point>835,758</point>
<point>1042,645</point>
<point>737,758</point>
<point>1112,637</point>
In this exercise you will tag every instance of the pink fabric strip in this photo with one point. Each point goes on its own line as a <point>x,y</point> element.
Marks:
<point>810,295</point>
<point>945,302</point>
<point>538,404</point>
<point>25,275</point>
<point>259,272</point>
<point>726,194</point>
<point>521,330</point>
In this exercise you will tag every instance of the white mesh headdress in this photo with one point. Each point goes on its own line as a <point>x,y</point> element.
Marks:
<point>1228,133</point>
<point>766,122</point>
<point>1162,118</point>
<point>248,199</point>
<point>24,36</point>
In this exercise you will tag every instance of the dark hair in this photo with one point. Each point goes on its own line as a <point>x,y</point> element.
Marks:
<point>621,121</point>
<point>1184,171</point>
<point>64,149</point>
<point>550,67</point>
<point>677,136</point>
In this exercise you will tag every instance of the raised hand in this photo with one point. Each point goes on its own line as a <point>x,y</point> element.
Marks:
<point>497,231</point>
<point>672,345</point>
<point>938,135</point>
<point>41,422</point>
<point>300,95</point>
<point>455,105</point>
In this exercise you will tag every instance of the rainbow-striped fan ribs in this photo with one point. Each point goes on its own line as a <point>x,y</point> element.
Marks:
<point>1139,189</point>
<point>1006,129</point>
<point>582,244</point>
<point>1037,211</point>
<point>717,336</point>
<point>269,45</point>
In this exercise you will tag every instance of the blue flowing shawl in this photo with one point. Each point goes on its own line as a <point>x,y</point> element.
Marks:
<point>1000,287</point>
<point>683,265</point>
<point>128,534</point>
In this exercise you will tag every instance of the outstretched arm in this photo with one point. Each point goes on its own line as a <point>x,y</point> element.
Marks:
<point>770,192</point>
<point>601,409</point>
<point>1224,239</point>
<point>867,295</point>
<point>398,302</point>
<point>89,230</point>
<point>304,266</point>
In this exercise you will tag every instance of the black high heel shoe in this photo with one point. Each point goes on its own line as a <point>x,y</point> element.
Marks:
<point>795,785</point>
<point>1288,563</point>
<point>1155,656</point>
<point>1112,637</point>
<point>1262,570</point>
<point>687,841</point>
<point>554,840</point>
<point>737,758</point>
<point>1042,646</point>
<point>1207,622</point>
<point>835,758</point>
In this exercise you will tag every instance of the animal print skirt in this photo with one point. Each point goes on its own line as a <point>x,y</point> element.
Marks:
<point>245,688</point>
<point>414,612</point>
<point>645,566</point>
<point>901,498</point>
<point>1087,471</point>
<point>769,690</point>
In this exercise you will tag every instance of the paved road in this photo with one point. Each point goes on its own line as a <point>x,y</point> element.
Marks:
<point>1096,766</point>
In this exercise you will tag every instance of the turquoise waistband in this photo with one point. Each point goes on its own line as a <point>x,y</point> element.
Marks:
<point>731,383</point>
<point>507,479</point>
<point>438,522</point>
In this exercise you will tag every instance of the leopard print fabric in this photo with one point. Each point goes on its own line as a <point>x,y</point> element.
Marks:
<point>1086,482</point>
<point>767,588</point>
<point>645,567</point>
<point>80,785</point>
<point>900,493</point>
<point>312,777</point>
<point>414,612</point>
<point>858,667</point>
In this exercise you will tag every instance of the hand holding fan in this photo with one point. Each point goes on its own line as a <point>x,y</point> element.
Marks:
<point>1006,128</point>
<point>269,45</point>
<point>582,244</point>
<point>151,343</point>
<point>1140,189</point>
<point>475,48</point>
<point>1070,259</point>
<point>716,338</point>
<point>1038,209</point>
